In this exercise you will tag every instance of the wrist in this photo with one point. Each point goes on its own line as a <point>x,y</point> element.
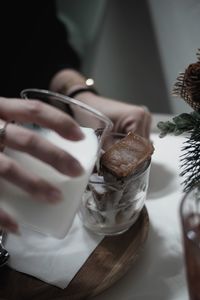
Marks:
<point>77,90</point>
<point>71,83</point>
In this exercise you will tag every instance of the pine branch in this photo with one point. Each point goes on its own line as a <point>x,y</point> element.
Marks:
<point>190,159</point>
<point>182,123</point>
<point>187,86</point>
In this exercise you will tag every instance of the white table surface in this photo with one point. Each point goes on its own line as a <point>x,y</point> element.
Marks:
<point>159,272</point>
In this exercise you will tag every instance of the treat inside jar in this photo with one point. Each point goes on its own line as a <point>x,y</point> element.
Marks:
<point>125,156</point>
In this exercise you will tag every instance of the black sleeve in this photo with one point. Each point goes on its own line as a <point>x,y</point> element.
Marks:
<point>41,47</point>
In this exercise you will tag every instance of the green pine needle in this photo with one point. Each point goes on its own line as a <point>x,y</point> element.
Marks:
<point>190,159</point>
<point>182,123</point>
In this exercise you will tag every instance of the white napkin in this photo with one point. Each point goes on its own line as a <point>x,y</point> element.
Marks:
<point>52,260</point>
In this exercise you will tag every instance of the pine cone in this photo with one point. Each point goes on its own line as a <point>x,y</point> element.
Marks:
<point>188,86</point>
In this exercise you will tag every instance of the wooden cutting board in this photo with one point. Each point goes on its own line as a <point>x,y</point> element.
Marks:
<point>107,263</point>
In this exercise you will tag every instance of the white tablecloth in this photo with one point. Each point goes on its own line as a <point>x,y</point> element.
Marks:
<point>159,273</point>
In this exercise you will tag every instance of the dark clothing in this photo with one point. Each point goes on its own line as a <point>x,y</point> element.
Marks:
<point>34,46</point>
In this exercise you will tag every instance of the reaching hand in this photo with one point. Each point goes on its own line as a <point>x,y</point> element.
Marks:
<point>125,117</point>
<point>133,118</point>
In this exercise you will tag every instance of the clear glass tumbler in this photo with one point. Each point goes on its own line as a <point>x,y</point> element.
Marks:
<point>190,219</point>
<point>110,208</point>
<point>56,219</point>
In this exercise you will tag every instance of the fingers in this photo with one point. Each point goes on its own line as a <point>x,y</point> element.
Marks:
<point>33,111</point>
<point>40,113</point>
<point>42,149</point>
<point>141,126</point>
<point>7,223</point>
<point>40,189</point>
<point>147,122</point>
<point>137,119</point>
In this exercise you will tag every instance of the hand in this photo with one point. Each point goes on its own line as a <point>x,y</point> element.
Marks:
<point>22,139</point>
<point>133,118</point>
<point>125,117</point>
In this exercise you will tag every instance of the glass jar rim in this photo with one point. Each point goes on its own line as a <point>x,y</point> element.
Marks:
<point>66,99</point>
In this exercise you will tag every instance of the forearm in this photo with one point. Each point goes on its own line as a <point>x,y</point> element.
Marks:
<point>126,117</point>
<point>68,80</point>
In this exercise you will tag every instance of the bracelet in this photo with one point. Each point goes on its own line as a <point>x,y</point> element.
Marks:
<point>88,87</point>
<point>77,91</point>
